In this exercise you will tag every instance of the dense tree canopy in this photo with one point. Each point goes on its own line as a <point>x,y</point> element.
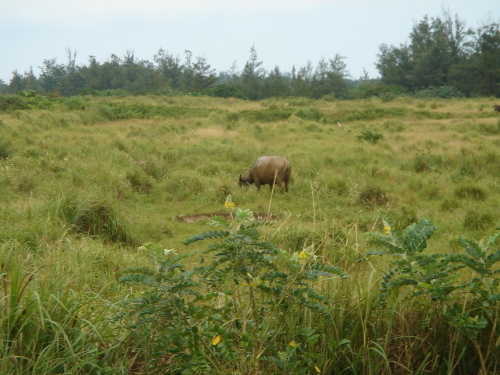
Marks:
<point>443,57</point>
<point>443,52</point>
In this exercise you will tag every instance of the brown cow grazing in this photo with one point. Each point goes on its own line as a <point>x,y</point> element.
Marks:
<point>497,107</point>
<point>269,170</point>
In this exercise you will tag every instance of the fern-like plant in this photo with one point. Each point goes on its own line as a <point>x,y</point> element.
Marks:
<point>468,304</point>
<point>229,313</point>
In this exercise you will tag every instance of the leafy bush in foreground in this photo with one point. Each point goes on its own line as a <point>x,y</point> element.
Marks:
<point>234,311</point>
<point>244,309</point>
<point>437,279</point>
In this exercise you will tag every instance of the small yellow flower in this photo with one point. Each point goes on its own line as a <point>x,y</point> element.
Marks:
<point>317,369</point>
<point>229,204</point>
<point>387,230</point>
<point>216,340</point>
<point>303,255</point>
<point>293,344</point>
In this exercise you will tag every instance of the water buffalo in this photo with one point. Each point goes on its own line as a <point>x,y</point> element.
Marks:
<point>497,107</point>
<point>269,170</point>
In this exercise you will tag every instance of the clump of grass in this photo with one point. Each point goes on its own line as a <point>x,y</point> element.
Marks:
<point>471,192</point>
<point>373,196</point>
<point>467,169</point>
<point>139,181</point>
<point>339,187</point>
<point>405,216</point>
<point>6,150</point>
<point>41,330</point>
<point>450,204</point>
<point>478,220</point>
<point>92,217</point>
<point>184,185</point>
<point>427,162</point>
<point>369,136</point>
<point>26,183</point>
<point>309,114</point>
<point>296,238</point>
<point>489,129</point>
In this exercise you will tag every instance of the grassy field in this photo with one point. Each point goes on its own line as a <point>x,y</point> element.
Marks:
<point>85,182</point>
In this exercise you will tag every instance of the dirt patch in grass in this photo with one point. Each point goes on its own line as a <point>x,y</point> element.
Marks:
<point>193,218</point>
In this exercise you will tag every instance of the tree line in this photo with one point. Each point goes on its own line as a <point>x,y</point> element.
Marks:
<point>442,58</point>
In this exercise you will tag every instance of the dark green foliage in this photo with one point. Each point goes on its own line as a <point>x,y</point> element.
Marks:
<point>224,91</point>
<point>176,314</point>
<point>444,59</point>
<point>210,235</point>
<point>370,113</point>
<point>369,89</point>
<point>435,276</point>
<point>28,100</point>
<point>309,114</point>
<point>370,136</point>
<point>11,103</point>
<point>481,257</point>
<point>266,115</point>
<point>443,92</point>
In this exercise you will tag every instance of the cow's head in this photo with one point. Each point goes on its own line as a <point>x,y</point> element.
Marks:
<point>244,181</point>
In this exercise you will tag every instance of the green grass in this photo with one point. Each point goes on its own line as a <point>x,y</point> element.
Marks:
<point>85,181</point>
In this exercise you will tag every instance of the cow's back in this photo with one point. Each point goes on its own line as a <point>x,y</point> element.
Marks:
<point>267,167</point>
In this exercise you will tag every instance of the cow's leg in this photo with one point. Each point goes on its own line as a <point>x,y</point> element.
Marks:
<point>279,182</point>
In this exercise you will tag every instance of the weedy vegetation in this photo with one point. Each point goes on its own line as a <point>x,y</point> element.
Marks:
<point>127,246</point>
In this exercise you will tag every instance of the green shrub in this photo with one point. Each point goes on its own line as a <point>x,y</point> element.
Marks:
<point>444,92</point>
<point>224,91</point>
<point>75,103</point>
<point>309,114</point>
<point>256,287</point>
<point>12,103</point>
<point>369,136</point>
<point>266,115</point>
<point>469,308</point>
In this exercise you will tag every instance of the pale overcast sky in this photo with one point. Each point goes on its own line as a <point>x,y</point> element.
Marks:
<point>284,32</point>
